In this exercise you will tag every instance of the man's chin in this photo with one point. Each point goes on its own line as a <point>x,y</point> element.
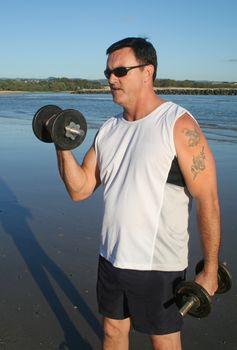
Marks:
<point>117,98</point>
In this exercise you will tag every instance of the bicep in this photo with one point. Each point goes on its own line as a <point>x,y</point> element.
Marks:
<point>195,158</point>
<point>91,171</point>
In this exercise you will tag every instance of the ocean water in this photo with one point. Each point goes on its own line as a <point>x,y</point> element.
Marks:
<point>49,244</point>
<point>217,115</point>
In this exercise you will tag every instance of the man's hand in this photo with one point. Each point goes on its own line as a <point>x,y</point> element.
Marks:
<point>209,281</point>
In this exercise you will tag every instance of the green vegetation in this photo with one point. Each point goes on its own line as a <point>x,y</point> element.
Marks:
<point>165,83</point>
<point>79,85</point>
<point>50,84</point>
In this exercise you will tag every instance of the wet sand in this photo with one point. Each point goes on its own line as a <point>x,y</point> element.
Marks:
<point>49,252</point>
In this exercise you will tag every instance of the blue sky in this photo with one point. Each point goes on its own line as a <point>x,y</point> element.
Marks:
<point>195,40</point>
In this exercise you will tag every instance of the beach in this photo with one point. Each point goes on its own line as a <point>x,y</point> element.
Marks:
<point>49,253</point>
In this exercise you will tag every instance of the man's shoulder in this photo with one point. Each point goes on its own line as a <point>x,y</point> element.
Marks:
<point>177,113</point>
<point>109,125</point>
<point>111,121</point>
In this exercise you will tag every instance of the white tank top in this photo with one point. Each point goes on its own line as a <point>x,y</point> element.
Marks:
<point>145,224</point>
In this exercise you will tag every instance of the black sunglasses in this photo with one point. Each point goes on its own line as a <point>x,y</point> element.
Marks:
<point>121,71</point>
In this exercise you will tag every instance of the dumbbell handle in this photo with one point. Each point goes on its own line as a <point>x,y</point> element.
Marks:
<point>188,305</point>
<point>73,130</point>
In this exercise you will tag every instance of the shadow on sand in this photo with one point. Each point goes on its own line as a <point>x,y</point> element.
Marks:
<point>14,219</point>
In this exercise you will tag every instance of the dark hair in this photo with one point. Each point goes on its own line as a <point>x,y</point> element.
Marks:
<point>143,50</point>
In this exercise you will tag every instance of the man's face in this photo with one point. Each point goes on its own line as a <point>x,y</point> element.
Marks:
<point>125,90</point>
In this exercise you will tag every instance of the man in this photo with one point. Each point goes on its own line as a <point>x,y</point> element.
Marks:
<point>150,159</point>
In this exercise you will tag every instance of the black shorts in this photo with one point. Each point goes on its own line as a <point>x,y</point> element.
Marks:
<point>147,297</point>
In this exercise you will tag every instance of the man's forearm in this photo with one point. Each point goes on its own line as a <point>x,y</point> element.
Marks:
<point>208,215</point>
<point>71,173</point>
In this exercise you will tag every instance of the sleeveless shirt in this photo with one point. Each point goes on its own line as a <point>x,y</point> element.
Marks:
<point>146,213</point>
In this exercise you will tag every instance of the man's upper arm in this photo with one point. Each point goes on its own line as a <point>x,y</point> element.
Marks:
<point>91,170</point>
<point>195,158</point>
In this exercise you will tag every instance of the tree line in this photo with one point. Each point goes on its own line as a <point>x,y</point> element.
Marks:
<point>77,85</point>
<point>51,84</point>
<point>165,83</point>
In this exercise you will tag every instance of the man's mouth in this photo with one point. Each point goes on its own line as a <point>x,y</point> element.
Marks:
<point>114,88</point>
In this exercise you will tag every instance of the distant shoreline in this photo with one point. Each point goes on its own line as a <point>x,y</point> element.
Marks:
<point>171,91</point>
<point>158,90</point>
<point>6,92</point>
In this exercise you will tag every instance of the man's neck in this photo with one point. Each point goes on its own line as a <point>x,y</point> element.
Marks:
<point>142,108</point>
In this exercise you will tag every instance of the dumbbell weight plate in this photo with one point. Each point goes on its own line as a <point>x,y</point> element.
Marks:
<point>40,119</point>
<point>65,119</point>
<point>224,277</point>
<point>187,289</point>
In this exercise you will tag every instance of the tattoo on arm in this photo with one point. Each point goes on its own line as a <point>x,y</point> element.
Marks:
<point>193,136</point>
<point>198,163</point>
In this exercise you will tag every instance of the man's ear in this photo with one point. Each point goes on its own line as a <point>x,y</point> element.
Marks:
<point>149,70</point>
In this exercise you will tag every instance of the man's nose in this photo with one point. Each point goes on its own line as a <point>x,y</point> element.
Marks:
<point>112,78</point>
